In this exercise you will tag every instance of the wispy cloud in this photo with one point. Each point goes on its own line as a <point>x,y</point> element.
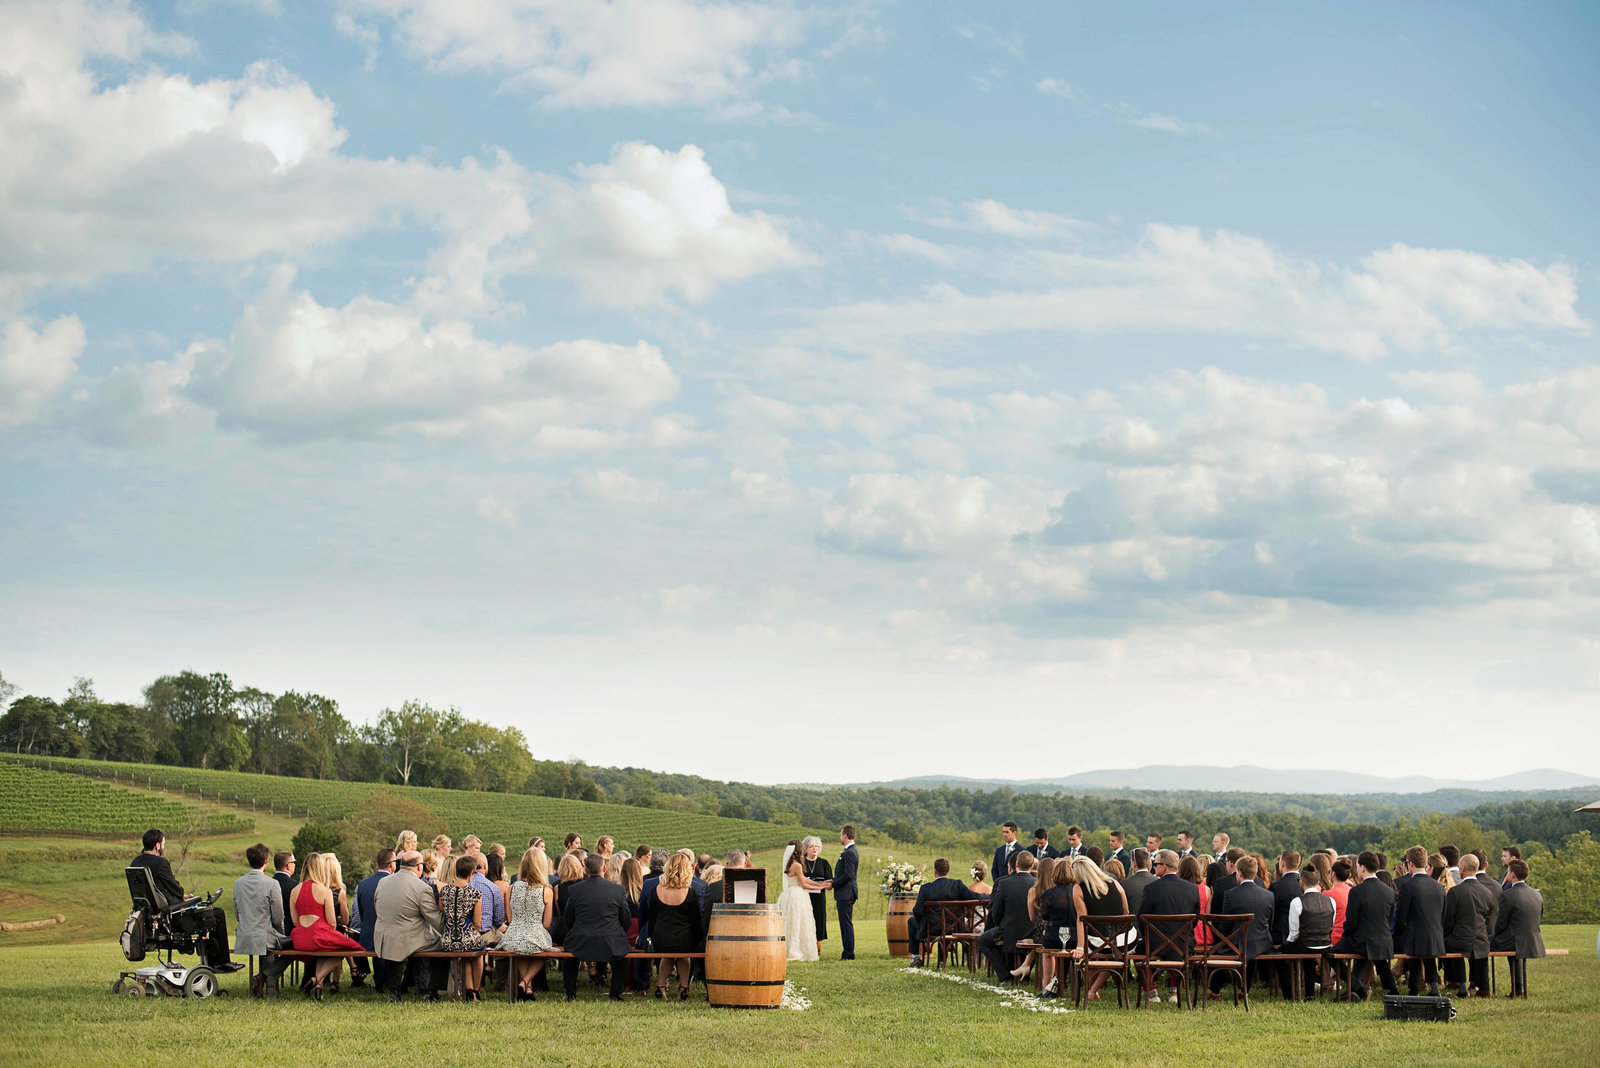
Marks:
<point>1124,112</point>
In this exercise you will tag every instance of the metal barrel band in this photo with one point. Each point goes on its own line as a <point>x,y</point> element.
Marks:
<point>744,938</point>
<point>743,982</point>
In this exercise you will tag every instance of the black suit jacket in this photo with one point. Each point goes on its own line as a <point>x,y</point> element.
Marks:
<point>288,883</point>
<point>1255,899</point>
<point>1048,851</point>
<point>1002,864</point>
<point>1419,916</point>
<point>1008,908</point>
<point>844,874</point>
<point>1367,913</point>
<point>594,920</point>
<point>1469,915</point>
<point>1284,890</point>
<point>1517,926</point>
<point>166,883</point>
<point>1169,896</point>
<point>946,889</point>
<point>1225,882</point>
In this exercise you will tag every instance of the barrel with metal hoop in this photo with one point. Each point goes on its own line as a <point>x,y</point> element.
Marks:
<point>746,956</point>
<point>896,924</point>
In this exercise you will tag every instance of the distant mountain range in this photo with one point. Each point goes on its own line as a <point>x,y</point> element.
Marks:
<point>1255,780</point>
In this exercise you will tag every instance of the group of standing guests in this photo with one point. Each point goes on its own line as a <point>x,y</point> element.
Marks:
<point>1432,905</point>
<point>596,906</point>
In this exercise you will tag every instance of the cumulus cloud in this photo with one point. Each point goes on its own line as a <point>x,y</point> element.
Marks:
<point>906,516</point>
<point>650,222</point>
<point>34,365</point>
<point>1182,280</point>
<point>624,53</point>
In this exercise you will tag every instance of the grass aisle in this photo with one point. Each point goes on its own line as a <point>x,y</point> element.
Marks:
<point>58,1009</point>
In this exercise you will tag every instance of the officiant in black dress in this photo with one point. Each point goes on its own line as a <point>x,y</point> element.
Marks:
<point>816,868</point>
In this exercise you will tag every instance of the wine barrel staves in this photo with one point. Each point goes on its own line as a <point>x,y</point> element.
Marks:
<point>746,956</point>
<point>900,906</point>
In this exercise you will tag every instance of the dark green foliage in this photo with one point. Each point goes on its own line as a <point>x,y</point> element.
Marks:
<point>316,836</point>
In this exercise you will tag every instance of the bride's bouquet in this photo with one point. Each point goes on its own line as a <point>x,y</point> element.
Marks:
<point>899,878</point>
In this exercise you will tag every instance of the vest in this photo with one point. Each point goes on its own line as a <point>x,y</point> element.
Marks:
<point>1316,920</point>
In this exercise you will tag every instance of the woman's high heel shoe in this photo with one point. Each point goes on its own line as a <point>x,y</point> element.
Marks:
<point>683,993</point>
<point>661,993</point>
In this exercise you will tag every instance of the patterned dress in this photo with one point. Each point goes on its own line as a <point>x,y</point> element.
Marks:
<point>460,934</point>
<point>526,933</point>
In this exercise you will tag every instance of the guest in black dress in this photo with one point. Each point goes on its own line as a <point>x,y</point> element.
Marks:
<point>818,870</point>
<point>674,921</point>
<point>1055,908</point>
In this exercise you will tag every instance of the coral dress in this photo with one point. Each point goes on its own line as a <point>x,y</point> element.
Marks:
<point>318,935</point>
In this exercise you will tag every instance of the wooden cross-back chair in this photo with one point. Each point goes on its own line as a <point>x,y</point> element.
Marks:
<point>1109,948</point>
<point>1169,946</point>
<point>1227,952</point>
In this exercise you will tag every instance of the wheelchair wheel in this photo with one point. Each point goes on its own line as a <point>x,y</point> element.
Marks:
<point>200,983</point>
<point>131,988</point>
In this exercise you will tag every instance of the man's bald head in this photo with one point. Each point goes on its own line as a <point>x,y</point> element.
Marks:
<point>1469,865</point>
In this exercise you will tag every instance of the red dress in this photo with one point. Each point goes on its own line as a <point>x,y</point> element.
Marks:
<point>318,935</point>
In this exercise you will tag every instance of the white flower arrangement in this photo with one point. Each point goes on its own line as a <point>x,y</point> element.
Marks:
<point>1011,997</point>
<point>901,878</point>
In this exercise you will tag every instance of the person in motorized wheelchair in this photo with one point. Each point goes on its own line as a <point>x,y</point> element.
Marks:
<point>176,920</point>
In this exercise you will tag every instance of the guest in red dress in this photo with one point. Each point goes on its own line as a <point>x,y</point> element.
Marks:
<point>315,920</point>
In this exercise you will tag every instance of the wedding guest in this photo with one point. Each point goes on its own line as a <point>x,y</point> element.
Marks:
<point>316,921</point>
<point>429,870</point>
<point>1285,888</point>
<point>1452,860</point>
<point>1008,921</point>
<point>406,922</point>
<point>1190,871</point>
<point>1041,847</point>
<point>1093,853</point>
<point>1252,899</point>
<point>980,879</point>
<point>382,867</point>
<point>613,868</point>
<point>1118,853</point>
<point>404,842</point>
<point>170,893</point>
<point>568,871</point>
<point>260,929</point>
<point>1219,845</point>
<point>1074,842</point>
<point>1507,855</point>
<point>1366,927</point>
<point>284,863</point>
<point>1008,848</point>
<point>493,913</point>
<point>1152,844</point>
<point>1228,878</point>
<point>1311,917</point>
<point>1168,895</point>
<point>1140,877</point>
<point>675,923</point>
<point>494,869</point>
<point>1470,909</point>
<point>942,888</point>
<point>1419,921</point>
<point>1262,870</point>
<point>593,927</point>
<point>440,848</point>
<point>1517,925</point>
<point>1439,870</point>
<point>1185,844</point>
<point>1054,908</point>
<point>1341,871</point>
<point>605,845</point>
<point>1094,895</point>
<point>461,905</point>
<point>528,921</point>
<point>1112,868</point>
<point>497,849</point>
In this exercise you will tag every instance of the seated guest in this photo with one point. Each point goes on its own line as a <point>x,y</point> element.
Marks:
<point>1439,870</point>
<point>736,859</point>
<point>1118,853</point>
<point>1189,869</point>
<point>1469,914</point>
<point>1263,870</point>
<point>1140,877</point>
<point>942,888</point>
<point>316,921</point>
<point>1056,910</point>
<point>1342,871</point>
<point>283,862</point>
<point>528,921</point>
<point>406,921</point>
<point>1094,895</point>
<point>568,871</point>
<point>593,927</point>
<point>1093,853</point>
<point>1516,927</point>
<point>1008,921</point>
<point>405,842</point>
<point>980,876</point>
<point>1167,895</point>
<point>461,905</point>
<point>1311,918</point>
<point>1452,860</point>
<point>675,923</point>
<point>214,949</point>
<point>1366,927</point>
<point>1041,847</point>
<point>1228,878</point>
<point>1507,855</point>
<point>1285,888</point>
<point>430,870</point>
<point>494,905</point>
<point>261,929</point>
<point>383,867</point>
<point>1043,880</point>
<point>1112,868</point>
<point>1249,898</point>
<point>1419,921</point>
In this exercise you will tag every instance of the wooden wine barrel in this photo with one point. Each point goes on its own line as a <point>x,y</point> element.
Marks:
<point>900,906</point>
<point>746,956</point>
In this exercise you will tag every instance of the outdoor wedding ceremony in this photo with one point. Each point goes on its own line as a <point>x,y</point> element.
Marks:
<point>799,529</point>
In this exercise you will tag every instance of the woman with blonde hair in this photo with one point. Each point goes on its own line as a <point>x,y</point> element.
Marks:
<point>316,920</point>
<point>405,842</point>
<point>430,870</point>
<point>1115,870</point>
<point>528,920</point>
<point>613,871</point>
<point>441,849</point>
<point>570,872</point>
<point>674,920</point>
<point>1094,895</point>
<point>980,875</point>
<point>1439,869</point>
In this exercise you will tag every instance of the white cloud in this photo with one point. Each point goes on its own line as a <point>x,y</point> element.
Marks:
<point>902,515</point>
<point>34,365</point>
<point>624,53</point>
<point>617,486</point>
<point>683,599</point>
<point>497,510</point>
<point>992,217</point>
<point>1057,87</point>
<point>1181,280</point>
<point>650,222</point>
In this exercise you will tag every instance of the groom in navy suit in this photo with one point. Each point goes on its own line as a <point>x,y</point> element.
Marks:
<point>844,891</point>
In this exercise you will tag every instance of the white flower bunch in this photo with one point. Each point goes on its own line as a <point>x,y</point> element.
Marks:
<point>901,878</point>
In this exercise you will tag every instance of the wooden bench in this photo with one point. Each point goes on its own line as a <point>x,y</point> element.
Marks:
<point>1297,981</point>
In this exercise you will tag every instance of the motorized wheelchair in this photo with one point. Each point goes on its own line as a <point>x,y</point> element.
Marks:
<point>169,927</point>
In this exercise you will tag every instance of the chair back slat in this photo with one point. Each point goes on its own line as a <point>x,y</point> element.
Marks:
<point>1106,939</point>
<point>1229,934</point>
<point>1169,937</point>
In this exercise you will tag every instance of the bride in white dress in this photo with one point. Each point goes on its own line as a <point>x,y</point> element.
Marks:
<point>794,904</point>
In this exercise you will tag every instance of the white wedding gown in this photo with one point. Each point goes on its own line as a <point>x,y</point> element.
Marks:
<point>799,923</point>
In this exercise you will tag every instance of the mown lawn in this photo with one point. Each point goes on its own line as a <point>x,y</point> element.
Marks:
<point>58,1009</point>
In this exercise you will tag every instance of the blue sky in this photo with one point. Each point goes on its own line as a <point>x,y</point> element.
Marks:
<point>624,371</point>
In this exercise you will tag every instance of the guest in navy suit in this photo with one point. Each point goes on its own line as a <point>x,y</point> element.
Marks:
<point>367,910</point>
<point>943,888</point>
<point>1041,847</point>
<point>1118,853</point>
<point>1008,849</point>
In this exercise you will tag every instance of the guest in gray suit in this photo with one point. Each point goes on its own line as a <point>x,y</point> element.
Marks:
<point>259,926</point>
<point>407,922</point>
<point>1517,926</point>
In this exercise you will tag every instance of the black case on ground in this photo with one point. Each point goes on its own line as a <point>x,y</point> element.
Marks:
<point>1402,1007</point>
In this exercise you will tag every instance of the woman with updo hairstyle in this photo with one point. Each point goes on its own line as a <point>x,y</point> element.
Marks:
<point>980,876</point>
<point>430,870</point>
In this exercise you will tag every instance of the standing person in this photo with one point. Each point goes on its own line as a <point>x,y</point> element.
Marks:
<point>440,848</point>
<point>1517,926</point>
<point>1074,843</point>
<point>1470,908</point>
<point>528,920</point>
<point>593,927</point>
<point>1008,849</point>
<point>1152,844</point>
<point>1419,921</point>
<point>1219,845</point>
<point>844,891</point>
<point>407,921</point>
<point>366,905</point>
<point>405,842</point>
<point>461,905</point>
<point>1118,853</point>
<point>675,923</point>
<point>1041,848</point>
<point>815,867</point>
<point>1185,844</point>
<point>1366,927</point>
<point>261,928</point>
<point>284,863</point>
<point>316,921</point>
<point>794,904</point>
